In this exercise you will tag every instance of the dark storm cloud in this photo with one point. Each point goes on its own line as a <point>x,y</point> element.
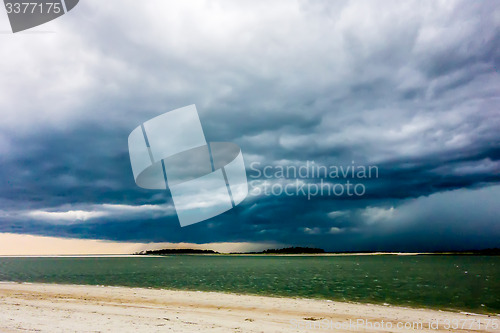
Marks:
<point>409,87</point>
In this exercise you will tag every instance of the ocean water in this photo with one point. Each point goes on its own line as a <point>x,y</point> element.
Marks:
<point>467,283</point>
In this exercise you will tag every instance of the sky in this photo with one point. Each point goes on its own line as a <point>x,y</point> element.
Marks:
<point>410,87</point>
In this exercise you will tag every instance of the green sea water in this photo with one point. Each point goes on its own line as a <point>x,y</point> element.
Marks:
<point>469,283</point>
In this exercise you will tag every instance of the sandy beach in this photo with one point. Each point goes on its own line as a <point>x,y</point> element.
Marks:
<point>69,308</point>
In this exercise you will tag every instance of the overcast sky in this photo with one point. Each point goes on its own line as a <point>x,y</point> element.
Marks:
<point>411,87</point>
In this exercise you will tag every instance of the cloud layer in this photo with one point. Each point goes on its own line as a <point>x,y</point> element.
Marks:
<point>411,87</point>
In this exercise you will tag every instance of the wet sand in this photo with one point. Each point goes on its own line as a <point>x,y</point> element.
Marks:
<point>69,308</point>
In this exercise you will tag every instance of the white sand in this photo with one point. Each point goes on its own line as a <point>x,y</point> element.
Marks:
<point>64,308</point>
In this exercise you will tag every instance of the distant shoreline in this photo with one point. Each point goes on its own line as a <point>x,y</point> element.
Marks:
<point>326,254</point>
<point>290,251</point>
<point>305,251</point>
